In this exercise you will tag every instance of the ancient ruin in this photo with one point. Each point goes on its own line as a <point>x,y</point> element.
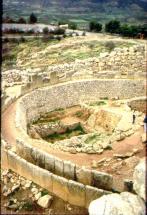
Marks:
<point>68,128</point>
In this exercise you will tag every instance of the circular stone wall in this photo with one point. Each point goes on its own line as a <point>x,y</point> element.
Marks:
<point>47,99</point>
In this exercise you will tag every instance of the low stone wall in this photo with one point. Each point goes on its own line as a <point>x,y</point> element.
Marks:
<point>70,191</point>
<point>120,63</point>
<point>64,168</point>
<point>139,104</point>
<point>47,99</point>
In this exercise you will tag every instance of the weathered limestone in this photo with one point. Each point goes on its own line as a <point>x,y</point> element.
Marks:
<point>49,162</point>
<point>69,170</point>
<point>59,165</point>
<point>72,93</point>
<point>124,203</point>
<point>60,187</point>
<point>84,176</point>
<point>139,178</point>
<point>76,193</point>
<point>102,180</point>
<point>92,194</point>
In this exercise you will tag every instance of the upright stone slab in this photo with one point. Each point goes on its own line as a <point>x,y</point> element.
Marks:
<point>69,170</point>
<point>60,187</point>
<point>54,79</point>
<point>58,167</point>
<point>84,176</point>
<point>92,193</point>
<point>49,162</point>
<point>76,193</point>
<point>102,180</point>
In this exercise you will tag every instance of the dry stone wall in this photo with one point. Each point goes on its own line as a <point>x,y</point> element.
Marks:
<point>47,99</point>
<point>139,104</point>
<point>120,63</point>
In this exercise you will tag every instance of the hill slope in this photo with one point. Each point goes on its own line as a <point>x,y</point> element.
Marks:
<point>80,11</point>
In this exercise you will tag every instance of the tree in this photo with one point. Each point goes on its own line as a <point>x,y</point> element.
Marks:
<point>95,26</point>
<point>113,26</point>
<point>72,25</point>
<point>32,19</point>
<point>45,30</point>
<point>21,20</point>
<point>129,30</point>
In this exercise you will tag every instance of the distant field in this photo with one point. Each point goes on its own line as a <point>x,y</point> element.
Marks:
<point>82,16</point>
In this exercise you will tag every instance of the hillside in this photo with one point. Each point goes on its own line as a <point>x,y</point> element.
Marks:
<point>132,11</point>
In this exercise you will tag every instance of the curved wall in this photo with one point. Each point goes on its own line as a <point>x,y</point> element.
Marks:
<point>72,93</point>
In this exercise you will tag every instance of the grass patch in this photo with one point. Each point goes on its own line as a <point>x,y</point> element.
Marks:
<point>28,206</point>
<point>79,114</point>
<point>44,192</point>
<point>78,130</point>
<point>92,139</point>
<point>98,103</point>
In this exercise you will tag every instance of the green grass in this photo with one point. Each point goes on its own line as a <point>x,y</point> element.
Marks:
<point>98,103</point>
<point>68,134</point>
<point>93,138</point>
<point>65,54</point>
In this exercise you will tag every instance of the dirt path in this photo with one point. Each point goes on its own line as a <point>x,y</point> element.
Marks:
<point>10,133</point>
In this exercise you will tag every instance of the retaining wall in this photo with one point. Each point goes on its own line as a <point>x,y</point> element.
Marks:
<point>70,191</point>
<point>47,99</point>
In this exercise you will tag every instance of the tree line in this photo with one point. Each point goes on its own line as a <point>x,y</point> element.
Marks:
<point>115,27</point>
<point>32,20</point>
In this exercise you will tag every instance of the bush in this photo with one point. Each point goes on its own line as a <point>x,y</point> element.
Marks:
<point>59,31</point>
<point>21,21</point>
<point>113,26</point>
<point>45,30</point>
<point>110,45</point>
<point>95,26</point>
<point>72,25</point>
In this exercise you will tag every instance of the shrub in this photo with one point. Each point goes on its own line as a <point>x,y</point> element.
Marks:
<point>21,20</point>
<point>113,26</point>
<point>45,30</point>
<point>110,45</point>
<point>72,25</point>
<point>95,26</point>
<point>59,31</point>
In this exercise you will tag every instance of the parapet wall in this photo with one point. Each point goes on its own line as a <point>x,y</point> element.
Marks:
<point>70,191</point>
<point>64,168</point>
<point>47,99</point>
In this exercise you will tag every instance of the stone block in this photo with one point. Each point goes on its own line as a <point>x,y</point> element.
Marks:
<point>102,180</point>
<point>76,193</point>
<point>24,151</point>
<point>92,193</point>
<point>43,178</point>
<point>49,163</point>
<point>69,170</point>
<point>84,176</point>
<point>58,167</point>
<point>60,187</point>
<point>40,159</point>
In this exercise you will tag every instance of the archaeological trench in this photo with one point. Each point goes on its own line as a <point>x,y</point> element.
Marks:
<point>61,125</point>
